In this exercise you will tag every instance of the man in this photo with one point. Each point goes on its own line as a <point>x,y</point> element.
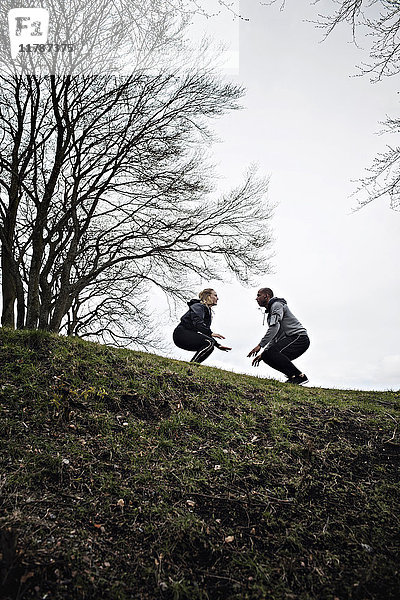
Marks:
<point>285,340</point>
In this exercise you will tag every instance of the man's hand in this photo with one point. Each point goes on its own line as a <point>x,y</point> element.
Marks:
<point>256,361</point>
<point>254,351</point>
<point>218,335</point>
<point>224,348</point>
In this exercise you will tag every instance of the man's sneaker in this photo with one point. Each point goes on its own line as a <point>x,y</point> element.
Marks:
<point>298,379</point>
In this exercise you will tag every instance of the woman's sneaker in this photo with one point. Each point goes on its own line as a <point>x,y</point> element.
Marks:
<point>298,379</point>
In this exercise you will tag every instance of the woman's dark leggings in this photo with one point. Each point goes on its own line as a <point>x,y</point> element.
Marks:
<point>192,340</point>
<point>279,356</point>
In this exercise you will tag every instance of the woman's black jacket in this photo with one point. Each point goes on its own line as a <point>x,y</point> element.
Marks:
<point>197,318</point>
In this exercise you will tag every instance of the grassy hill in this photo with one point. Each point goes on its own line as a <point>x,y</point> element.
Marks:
<point>125,475</point>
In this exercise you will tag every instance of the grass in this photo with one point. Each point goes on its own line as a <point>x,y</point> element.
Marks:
<point>126,475</point>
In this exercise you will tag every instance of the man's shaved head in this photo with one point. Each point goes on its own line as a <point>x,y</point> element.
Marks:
<point>267,291</point>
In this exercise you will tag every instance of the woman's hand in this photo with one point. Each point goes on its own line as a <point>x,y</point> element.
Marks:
<point>218,335</point>
<point>224,348</point>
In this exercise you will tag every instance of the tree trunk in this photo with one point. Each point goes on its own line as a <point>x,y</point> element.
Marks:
<point>8,288</point>
<point>9,269</point>
<point>32,317</point>
<point>61,308</point>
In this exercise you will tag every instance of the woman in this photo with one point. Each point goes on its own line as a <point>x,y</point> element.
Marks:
<point>194,333</point>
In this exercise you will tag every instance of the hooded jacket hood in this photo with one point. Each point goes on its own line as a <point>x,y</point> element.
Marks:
<point>193,301</point>
<point>271,302</point>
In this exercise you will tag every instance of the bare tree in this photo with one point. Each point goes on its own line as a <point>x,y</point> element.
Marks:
<point>105,188</point>
<point>375,23</point>
<point>378,22</point>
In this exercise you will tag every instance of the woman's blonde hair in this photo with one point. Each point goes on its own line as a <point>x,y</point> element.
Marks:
<point>205,295</point>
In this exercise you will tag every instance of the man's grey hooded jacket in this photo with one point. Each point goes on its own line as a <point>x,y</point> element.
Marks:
<point>282,323</point>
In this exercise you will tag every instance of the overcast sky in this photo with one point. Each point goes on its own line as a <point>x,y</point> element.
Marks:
<point>311,126</point>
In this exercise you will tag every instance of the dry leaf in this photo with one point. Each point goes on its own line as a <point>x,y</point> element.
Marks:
<point>121,503</point>
<point>229,539</point>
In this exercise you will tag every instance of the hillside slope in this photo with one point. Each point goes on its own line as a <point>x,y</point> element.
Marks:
<point>125,475</point>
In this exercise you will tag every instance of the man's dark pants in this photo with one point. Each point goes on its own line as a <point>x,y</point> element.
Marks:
<point>279,356</point>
